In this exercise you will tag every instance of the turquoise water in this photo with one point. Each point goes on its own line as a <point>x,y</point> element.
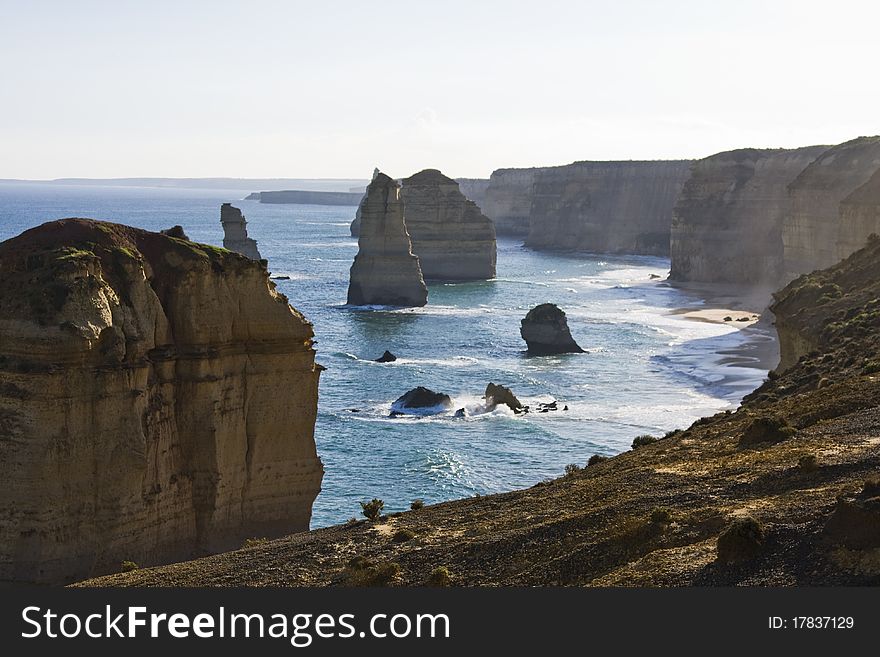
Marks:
<point>646,371</point>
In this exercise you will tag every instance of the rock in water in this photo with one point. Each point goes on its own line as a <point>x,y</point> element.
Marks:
<point>387,357</point>
<point>450,236</point>
<point>356,222</point>
<point>422,401</point>
<point>496,394</point>
<point>235,237</point>
<point>545,330</point>
<point>157,401</point>
<point>385,271</point>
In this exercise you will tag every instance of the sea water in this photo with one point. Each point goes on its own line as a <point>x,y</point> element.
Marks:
<point>646,369</point>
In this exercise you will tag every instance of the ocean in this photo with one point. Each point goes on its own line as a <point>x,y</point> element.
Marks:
<point>646,371</point>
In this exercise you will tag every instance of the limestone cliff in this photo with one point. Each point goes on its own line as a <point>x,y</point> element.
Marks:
<point>859,216</point>
<point>474,189</point>
<point>810,229</point>
<point>606,207</point>
<point>727,222</point>
<point>157,402</point>
<point>508,200</point>
<point>235,237</point>
<point>385,271</point>
<point>450,236</point>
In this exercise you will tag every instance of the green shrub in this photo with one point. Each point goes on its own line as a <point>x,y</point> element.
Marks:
<point>596,458</point>
<point>641,441</point>
<point>415,505</point>
<point>572,469</point>
<point>440,577</point>
<point>767,429</point>
<point>128,566</point>
<point>808,463</point>
<point>871,367</point>
<point>402,536</point>
<point>364,572</point>
<point>661,515</point>
<point>741,540</point>
<point>372,509</point>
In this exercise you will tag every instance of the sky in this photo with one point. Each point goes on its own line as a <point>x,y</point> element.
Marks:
<point>332,89</point>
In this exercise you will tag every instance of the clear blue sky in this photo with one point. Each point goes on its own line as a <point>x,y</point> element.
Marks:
<point>332,89</point>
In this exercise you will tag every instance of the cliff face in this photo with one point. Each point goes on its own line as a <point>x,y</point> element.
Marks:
<point>474,189</point>
<point>508,200</point>
<point>727,222</point>
<point>606,207</point>
<point>810,229</point>
<point>450,236</point>
<point>157,401</point>
<point>859,216</point>
<point>385,271</point>
<point>235,237</point>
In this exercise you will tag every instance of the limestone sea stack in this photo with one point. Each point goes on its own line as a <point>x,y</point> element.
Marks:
<point>385,271</point>
<point>356,222</point>
<point>545,330</point>
<point>810,230</point>
<point>453,240</point>
<point>727,223</point>
<point>605,207</point>
<point>235,237</point>
<point>157,401</point>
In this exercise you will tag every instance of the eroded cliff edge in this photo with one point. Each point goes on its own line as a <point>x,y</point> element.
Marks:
<point>157,402</point>
<point>727,223</point>
<point>606,207</point>
<point>653,516</point>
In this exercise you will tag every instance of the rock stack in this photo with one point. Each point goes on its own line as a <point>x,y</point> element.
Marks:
<point>356,222</point>
<point>545,330</point>
<point>385,271</point>
<point>157,402</point>
<point>235,237</point>
<point>452,238</point>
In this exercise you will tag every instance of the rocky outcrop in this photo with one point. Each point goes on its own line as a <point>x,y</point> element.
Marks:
<point>235,237</point>
<point>385,271</point>
<point>545,330</point>
<point>508,201</point>
<point>810,231</point>
<point>606,207</point>
<point>859,216</point>
<point>421,401</point>
<point>387,357</point>
<point>356,222</point>
<point>452,239</point>
<point>497,394</point>
<point>157,402</point>
<point>727,223</point>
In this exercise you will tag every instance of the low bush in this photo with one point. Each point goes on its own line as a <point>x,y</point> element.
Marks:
<point>415,505</point>
<point>596,458</point>
<point>402,536</point>
<point>741,540</point>
<point>128,566</point>
<point>372,509</point>
<point>440,577</point>
<point>641,441</point>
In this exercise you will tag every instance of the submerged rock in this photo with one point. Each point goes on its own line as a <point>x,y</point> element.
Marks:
<point>545,330</point>
<point>422,401</point>
<point>385,271</point>
<point>235,237</point>
<point>387,357</point>
<point>498,394</point>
